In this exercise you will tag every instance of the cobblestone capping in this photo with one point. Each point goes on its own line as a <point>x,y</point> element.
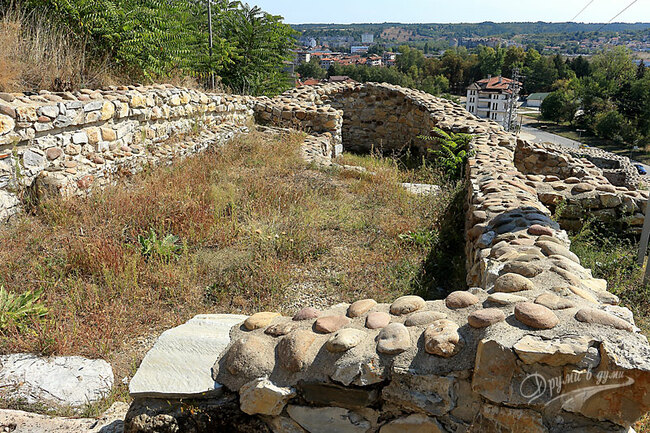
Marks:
<point>535,345</point>
<point>66,143</point>
<point>563,161</point>
<point>590,183</point>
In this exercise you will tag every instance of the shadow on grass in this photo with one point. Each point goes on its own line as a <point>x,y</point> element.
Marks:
<point>444,271</point>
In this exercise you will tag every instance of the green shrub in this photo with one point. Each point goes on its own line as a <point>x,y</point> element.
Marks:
<point>165,249</point>
<point>420,238</point>
<point>17,310</point>
<point>613,125</point>
<point>452,152</point>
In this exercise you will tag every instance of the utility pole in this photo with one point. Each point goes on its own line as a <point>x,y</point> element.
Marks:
<point>210,43</point>
<point>514,93</point>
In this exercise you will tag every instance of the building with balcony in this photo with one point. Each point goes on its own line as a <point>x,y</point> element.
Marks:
<point>491,98</point>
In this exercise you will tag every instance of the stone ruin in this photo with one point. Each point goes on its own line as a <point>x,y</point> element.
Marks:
<point>535,345</point>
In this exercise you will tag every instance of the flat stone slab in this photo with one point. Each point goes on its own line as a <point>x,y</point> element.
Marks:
<point>17,421</point>
<point>421,188</point>
<point>180,363</point>
<point>70,381</point>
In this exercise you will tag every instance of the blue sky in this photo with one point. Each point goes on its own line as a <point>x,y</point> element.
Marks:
<point>454,11</point>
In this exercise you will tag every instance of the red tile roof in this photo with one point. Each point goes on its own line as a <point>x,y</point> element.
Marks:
<point>493,84</point>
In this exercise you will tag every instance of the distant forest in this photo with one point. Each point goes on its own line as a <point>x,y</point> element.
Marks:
<point>484,29</point>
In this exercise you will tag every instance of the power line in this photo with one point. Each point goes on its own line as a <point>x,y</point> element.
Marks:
<point>582,10</point>
<point>616,16</point>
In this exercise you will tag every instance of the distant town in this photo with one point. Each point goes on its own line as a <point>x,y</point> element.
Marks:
<point>558,72</point>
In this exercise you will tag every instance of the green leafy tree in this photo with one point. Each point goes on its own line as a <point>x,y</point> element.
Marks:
<point>490,60</point>
<point>435,84</point>
<point>513,58</point>
<point>559,106</point>
<point>640,71</point>
<point>580,66</point>
<point>151,38</point>
<point>262,43</point>
<point>613,67</point>
<point>610,124</point>
<point>312,69</point>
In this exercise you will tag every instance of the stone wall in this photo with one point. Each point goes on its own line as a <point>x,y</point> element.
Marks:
<point>580,181</point>
<point>66,143</point>
<point>535,345</point>
<point>380,117</point>
<point>315,120</point>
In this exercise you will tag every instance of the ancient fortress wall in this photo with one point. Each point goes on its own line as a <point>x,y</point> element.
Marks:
<point>67,143</point>
<point>535,345</point>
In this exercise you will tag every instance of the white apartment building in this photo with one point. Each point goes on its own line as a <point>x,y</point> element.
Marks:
<point>490,98</point>
<point>389,58</point>
<point>302,57</point>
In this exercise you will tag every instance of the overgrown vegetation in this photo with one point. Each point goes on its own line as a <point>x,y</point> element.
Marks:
<point>17,310</point>
<point>254,228</point>
<point>78,43</point>
<point>612,256</point>
<point>451,151</point>
<point>612,94</point>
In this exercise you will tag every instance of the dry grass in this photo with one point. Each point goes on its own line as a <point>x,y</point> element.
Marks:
<point>613,257</point>
<point>38,55</point>
<point>258,230</point>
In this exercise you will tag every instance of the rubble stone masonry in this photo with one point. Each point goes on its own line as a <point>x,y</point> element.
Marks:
<point>537,344</point>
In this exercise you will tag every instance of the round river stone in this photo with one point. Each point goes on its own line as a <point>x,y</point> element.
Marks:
<point>393,339</point>
<point>554,302</point>
<point>307,313</point>
<point>329,324</point>
<point>260,320</point>
<point>539,230</point>
<point>442,338</point>
<point>485,317</point>
<point>460,299</point>
<point>280,329</point>
<point>535,315</point>
<point>406,305</point>
<point>359,308</point>
<point>505,298</point>
<point>345,339</point>
<point>509,283</point>
<point>377,319</point>
<point>422,318</point>
<point>593,315</point>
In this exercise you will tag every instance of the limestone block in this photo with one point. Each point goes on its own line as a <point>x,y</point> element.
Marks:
<point>430,394</point>
<point>179,363</point>
<point>416,423</point>
<point>333,419</point>
<point>61,381</point>
<point>262,397</point>
<point>7,124</point>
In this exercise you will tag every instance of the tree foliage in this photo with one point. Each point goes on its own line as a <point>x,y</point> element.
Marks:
<point>451,152</point>
<point>150,39</point>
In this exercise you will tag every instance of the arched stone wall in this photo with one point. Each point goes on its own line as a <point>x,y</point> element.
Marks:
<point>473,362</point>
<point>537,345</point>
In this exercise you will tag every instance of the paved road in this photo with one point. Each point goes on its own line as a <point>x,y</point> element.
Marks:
<point>541,136</point>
